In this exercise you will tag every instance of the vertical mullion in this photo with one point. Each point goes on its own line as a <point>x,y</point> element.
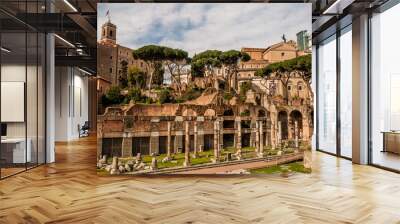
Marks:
<point>37,89</point>
<point>338,98</point>
<point>26,86</point>
<point>369,97</point>
<point>316,97</point>
<point>0,94</point>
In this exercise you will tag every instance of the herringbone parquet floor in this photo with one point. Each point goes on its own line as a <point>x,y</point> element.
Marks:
<point>69,191</point>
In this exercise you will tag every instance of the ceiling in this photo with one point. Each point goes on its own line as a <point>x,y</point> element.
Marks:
<point>73,21</point>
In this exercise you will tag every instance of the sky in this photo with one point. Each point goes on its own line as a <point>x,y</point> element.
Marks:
<point>196,27</point>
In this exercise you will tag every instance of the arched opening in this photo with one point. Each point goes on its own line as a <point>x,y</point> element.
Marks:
<point>258,100</point>
<point>296,117</point>
<point>209,113</point>
<point>283,119</point>
<point>229,112</point>
<point>261,113</point>
<point>189,112</point>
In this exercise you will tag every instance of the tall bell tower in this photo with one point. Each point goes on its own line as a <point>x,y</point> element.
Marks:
<point>109,32</point>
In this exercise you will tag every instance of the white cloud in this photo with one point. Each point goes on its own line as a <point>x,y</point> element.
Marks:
<point>198,27</point>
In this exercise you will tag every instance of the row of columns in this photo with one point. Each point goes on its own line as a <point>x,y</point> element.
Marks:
<point>257,132</point>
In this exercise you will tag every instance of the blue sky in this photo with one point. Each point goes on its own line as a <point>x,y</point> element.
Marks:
<point>196,27</point>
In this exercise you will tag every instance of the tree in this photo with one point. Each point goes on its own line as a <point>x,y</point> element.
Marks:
<point>151,54</point>
<point>113,95</point>
<point>230,61</point>
<point>123,74</point>
<point>284,70</point>
<point>158,77</point>
<point>176,61</point>
<point>205,63</point>
<point>136,77</point>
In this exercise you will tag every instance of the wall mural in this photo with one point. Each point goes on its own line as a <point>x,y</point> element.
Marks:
<point>204,89</point>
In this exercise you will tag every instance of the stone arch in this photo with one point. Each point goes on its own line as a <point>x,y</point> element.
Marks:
<point>209,112</point>
<point>189,112</point>
<point>229,112</point>
<point>261,113</point>
<point>296,116</point>
<point>283,119</point>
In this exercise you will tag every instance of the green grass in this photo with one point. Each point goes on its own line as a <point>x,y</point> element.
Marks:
<point>204,157</point>
<point>295,167</point>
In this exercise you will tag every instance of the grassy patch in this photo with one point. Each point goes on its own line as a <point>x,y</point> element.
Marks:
<point>295,167</point>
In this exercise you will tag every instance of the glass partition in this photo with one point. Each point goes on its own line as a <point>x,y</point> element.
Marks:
<point>22,77</point>
<point>345,58</point>
<point>385,89</point>
<point>326,93</point>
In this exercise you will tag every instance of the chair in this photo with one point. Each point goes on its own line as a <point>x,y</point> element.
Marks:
<point>84,130</point>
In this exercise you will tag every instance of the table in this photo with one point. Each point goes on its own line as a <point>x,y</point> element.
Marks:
<point>13,150</point>
<point>391,141</point>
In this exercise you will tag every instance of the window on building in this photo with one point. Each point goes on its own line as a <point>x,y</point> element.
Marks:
<point>283,54</point>
<point>111,57</point>
<point>111,70</point>
<point>289,88</point>
<point>111,33</point>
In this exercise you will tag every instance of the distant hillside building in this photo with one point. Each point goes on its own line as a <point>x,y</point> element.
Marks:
<point>261,57</point>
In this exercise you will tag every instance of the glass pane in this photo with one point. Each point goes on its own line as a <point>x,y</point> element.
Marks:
<point>385,84</point>
<point>41,98</point>
<point>13,86</point>
<point>327,95</point>
<point>31,99</point>
<point>346,92</point>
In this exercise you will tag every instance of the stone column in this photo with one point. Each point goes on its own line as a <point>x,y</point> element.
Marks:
<point>154,136</point>
<point>99,145</point>
<point>200,134</point>
<point>253,133</point>
<point>216,141</point>
<point>267,141</point>
<point>178,141</point>
<point>290,129</point>
<point>257,131</point>
<point>187,145</point>
<point>306,131</point>
<point>279,134</point>
<point>221,134</point>
<point>296,134</point>
<point>126,146</point>
<point>169,139</point>
<point>273,134</point>
<point>195,140</point>
<point>261,137</point>
<point>238,134</point>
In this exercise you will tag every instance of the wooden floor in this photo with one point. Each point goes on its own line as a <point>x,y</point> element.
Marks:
<point>69,191</point>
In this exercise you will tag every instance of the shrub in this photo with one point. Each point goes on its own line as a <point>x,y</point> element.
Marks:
<point>165,96</point>
<point>228,95</point>
<point>113,96</point>
<point>135,95</point>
